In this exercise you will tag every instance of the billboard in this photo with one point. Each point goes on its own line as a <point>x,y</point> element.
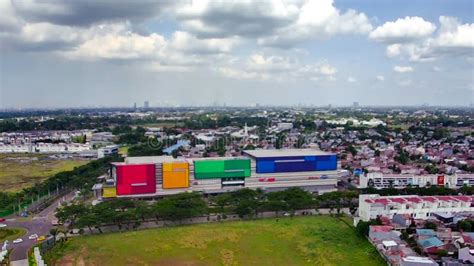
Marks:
<point>441,180</point>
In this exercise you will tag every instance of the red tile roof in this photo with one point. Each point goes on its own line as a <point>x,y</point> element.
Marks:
<point>418,199</point>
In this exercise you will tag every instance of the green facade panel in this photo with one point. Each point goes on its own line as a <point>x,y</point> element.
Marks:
<point>210,166</point>
<point>237,164</point>
<point>208,169</point>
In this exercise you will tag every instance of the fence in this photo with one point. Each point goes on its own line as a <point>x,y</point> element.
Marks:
<point>42,202</point>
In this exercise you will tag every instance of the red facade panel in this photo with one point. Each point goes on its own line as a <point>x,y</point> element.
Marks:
<point>136,179</point>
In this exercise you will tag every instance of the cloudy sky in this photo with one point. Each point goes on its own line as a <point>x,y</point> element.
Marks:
<point>79,53</point>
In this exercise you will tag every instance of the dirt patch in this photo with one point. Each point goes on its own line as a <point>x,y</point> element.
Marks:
<point>227,257</point>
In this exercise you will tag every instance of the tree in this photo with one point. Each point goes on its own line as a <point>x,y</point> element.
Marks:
<point>143,210</point>
<point>362,228</point>
<point>71,213</point>
<point>222,200</point>
<point>464,225</point>
<point>431,225</point>
<point>402,157</point>
<point>352,150</point>
<point>377,153</point>
<point>431,169</point>
<point>53,232</point>
<point>181,206</point>
<point>89,220</point>
<point>276,206</point>
<point>442,253</point>
<point>295,198</point>
<point>145,150</point>
<point>246,202</point>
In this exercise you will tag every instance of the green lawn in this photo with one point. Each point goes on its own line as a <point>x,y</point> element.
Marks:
<point>315,240</point>
<point>19,171</point>
<point>11,234</point>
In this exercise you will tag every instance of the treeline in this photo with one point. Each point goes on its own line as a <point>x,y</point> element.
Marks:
<point>81,178</point>
<point>245,203</point>
<point>205,121</point>
<point>66,122</point>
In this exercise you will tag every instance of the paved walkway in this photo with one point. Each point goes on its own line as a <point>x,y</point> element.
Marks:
<point>19,263</point>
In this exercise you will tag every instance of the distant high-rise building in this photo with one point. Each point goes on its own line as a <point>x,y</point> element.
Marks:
<point>146,105</point>
<point>355,104</point>
<point>134,106</point>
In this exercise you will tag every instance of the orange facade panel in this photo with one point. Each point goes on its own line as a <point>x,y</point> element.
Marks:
<point>175,175</point>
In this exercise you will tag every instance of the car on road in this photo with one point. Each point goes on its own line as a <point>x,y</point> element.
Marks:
<point>2,219</point>
<point>3,225</point>
<point>40,238</point>
<point>17,241</point>
<point>33,237</point>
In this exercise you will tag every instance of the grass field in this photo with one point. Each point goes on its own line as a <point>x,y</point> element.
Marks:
<point>19,171</point>
<point>315,240</point>
<point>11,234</point>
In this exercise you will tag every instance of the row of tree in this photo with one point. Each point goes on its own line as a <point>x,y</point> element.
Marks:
<point>246,203</point>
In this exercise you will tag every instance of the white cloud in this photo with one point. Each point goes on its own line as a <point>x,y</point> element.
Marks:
<point>274,23</point>
<point>328,70</point>
<point>403,30</point>
<point>124,45</point>
<point>9,21</point>
<point>241,74</point>
<point>318,19</point>
<point>394,50</point>
<point>380,78</point>
<point>403,69</point>
<point>280,68</point>
<point>186,42</point>
<point>351,79</point>
<point>452,39</point>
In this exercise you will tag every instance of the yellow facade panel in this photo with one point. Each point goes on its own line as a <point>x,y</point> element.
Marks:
<point>167,167</point>
<point>109,192</point>
<point>180,165</point>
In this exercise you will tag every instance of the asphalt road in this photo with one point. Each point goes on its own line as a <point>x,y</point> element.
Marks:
<point>40,224</point>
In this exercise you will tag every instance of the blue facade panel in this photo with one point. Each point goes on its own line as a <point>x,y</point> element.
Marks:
<point>296,164</point>
<point>302,166</point>
<point>325,163</point>
<point>265,166</point>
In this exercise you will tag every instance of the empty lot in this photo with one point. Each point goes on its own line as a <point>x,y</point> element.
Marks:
<point>315,240</point>
<point>19,171</point>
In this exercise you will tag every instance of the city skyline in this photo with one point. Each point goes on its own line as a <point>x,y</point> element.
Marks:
<point>242,53</point>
